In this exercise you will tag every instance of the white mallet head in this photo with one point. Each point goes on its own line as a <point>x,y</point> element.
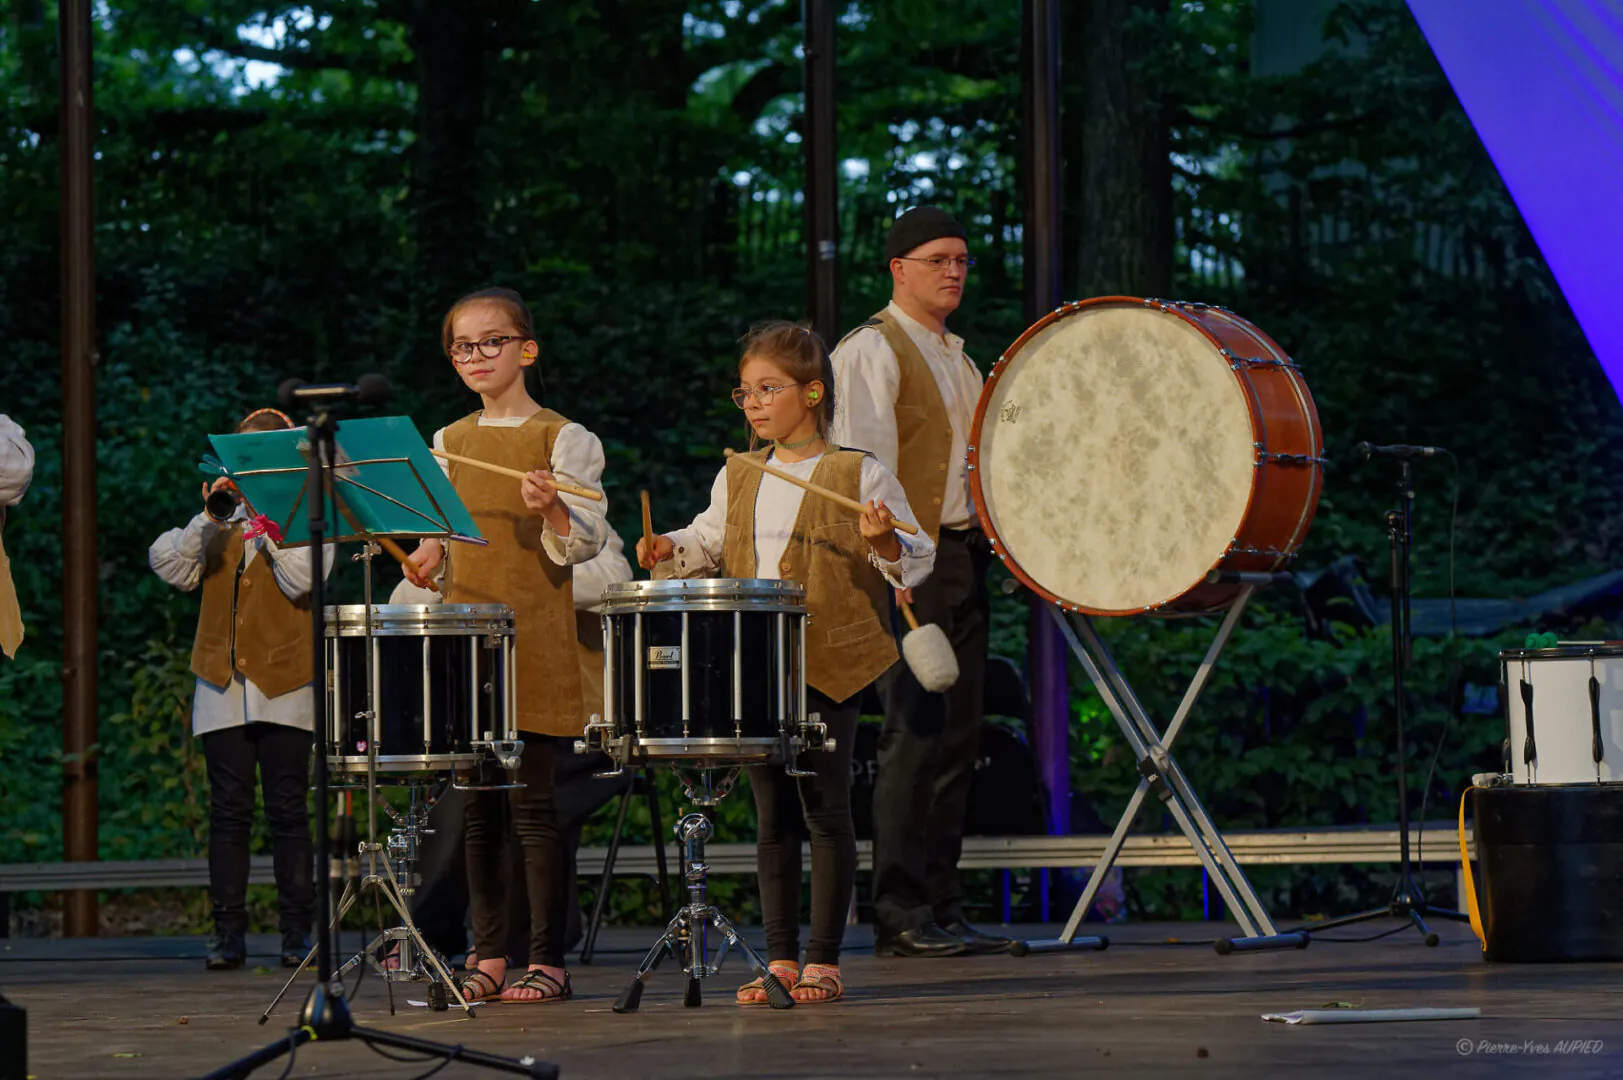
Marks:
<point>929,653</point>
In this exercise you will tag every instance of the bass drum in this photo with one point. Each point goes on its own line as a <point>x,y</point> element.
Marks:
<point>1124,449</point>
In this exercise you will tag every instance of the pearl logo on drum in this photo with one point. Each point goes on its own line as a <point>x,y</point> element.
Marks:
<point>664,657</point>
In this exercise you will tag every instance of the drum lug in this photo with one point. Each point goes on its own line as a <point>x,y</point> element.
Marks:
<point>1264,457</point>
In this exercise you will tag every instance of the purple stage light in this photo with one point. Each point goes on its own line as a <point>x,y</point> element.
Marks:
<point>1542,83</point>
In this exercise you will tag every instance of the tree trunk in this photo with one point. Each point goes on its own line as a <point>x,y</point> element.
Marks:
<point>449,40</point>
<point>1125,203</point>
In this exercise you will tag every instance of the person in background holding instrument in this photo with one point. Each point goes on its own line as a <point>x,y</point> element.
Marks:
<point>252,658</point>
<point>762,526</point>
<point>16,472</point>
<point>536,533</point>
<point>908,395</point>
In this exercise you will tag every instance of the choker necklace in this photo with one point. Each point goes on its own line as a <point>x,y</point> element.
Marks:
<point>801,445</point>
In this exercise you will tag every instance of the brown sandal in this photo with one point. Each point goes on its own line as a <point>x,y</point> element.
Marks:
<point>754,991</point>
<point>477,986</point>
<point>819,978</point>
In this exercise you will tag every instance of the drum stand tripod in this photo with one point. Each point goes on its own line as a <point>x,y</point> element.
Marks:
<point>688,936</point>
<point>1163,778</point>
<point>416,961</point>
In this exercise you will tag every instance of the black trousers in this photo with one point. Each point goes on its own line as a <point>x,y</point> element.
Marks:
<point>531,813</point>
<point>926,757</point>
<point>790,809</point>
<point>282,756</point>
<point>440,907</point>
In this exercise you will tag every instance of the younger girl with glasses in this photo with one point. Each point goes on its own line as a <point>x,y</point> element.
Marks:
<point>535,533</point>
<point>761,526</point>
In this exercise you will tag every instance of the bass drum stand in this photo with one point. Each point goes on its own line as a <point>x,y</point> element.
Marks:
<point>1165,780</point>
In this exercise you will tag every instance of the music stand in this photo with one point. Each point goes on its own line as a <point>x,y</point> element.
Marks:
<point>383,482</point>
<point>1163,778</point>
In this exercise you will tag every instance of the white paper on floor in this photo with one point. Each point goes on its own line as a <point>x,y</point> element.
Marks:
<point>1370,1016</point>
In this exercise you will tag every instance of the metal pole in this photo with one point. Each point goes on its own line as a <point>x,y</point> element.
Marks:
<point>78,463</point>
<point>1045,656</point>
<point>822,184</point>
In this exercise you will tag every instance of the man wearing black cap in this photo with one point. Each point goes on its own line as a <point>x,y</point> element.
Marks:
<point>907,395</point>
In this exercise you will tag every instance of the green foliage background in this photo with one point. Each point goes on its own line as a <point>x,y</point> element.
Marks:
<point>634,169</point>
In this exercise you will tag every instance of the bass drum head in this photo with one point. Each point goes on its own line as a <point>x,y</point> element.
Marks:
<point>1115,457</point>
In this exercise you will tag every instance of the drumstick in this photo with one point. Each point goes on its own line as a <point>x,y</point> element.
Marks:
<point>647,523</point>
<point>567,489</point>
<point>849,504</point>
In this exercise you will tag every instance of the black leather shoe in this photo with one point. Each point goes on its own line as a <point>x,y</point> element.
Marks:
<point>927,940</point>
<point>226,951</point>
<point>975,941</point>
<point>295,947</point>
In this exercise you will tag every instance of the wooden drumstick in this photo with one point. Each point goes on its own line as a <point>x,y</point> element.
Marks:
<point>907,613</point>
<point>647,524</point>
<point>517,474</point>
<point>850,504</point>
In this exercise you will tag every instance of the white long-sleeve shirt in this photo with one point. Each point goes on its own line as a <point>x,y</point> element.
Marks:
<point>577,458</point>
<point>178,557</point>
<point>777,503</point>
<point>16,463</point>
<point>866,379</point>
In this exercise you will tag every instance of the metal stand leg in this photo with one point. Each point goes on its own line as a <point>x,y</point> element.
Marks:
<point>1164,779</point>
<point>687,936</point>
<point>417,962</point>
<point>590,944</point>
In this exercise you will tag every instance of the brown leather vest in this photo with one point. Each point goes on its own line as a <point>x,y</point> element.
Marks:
<point>248,624</point>
<point>848,638</point>
<point>514,569</point>
<point>923,428</point>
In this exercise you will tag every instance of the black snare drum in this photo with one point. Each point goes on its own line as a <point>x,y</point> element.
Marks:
<point>442,680</point>
<point>710,669</point>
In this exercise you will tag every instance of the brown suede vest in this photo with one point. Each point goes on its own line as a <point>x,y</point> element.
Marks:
<point>248,624</point>
<point>848,638</point>
<point>11,616</point>
<point>589,647</point>
<point>923,429</point>
<point>513,568</point>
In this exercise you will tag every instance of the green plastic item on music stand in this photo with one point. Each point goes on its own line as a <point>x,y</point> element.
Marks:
<point>386,483</point>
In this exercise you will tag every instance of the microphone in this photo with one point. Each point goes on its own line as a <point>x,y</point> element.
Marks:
<point>1396,450</point>
<point>368,390</point>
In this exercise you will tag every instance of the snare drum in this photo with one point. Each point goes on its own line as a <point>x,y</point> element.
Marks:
<point>1563,714</point>
<point>442,683</point>
<point>710,669</point>
<point>1124,449</point>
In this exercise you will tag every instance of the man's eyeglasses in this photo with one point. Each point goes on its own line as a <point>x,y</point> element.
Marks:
<point>763,395</point>
<point>939,263</point>
<point>461,352</point>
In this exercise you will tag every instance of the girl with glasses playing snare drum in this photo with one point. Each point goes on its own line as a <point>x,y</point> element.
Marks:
<point>762,526</point>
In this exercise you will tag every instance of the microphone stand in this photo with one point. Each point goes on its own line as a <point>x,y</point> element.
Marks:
<point>1407,902</point>
<point>326,1015</point>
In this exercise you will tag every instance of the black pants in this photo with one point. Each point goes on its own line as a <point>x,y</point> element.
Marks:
<point>788,810</point>
<point>440,907</point>
<point>282,755</point>
<point>926,756</point>
<point>532,815</point>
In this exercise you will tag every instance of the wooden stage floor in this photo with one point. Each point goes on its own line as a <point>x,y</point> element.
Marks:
<point>144,1007</point>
